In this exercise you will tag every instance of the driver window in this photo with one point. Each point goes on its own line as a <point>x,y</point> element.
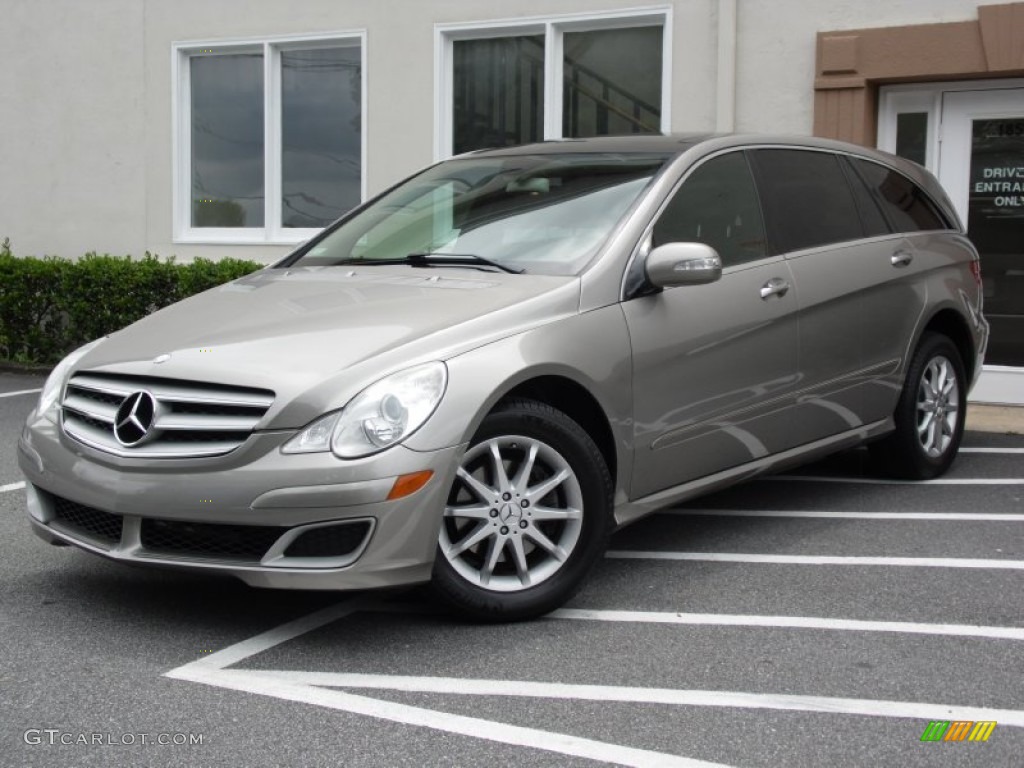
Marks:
<point>716,205</point>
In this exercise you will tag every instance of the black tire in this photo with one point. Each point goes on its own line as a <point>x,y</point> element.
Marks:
<point>923,448</point>
<point>485,580</point>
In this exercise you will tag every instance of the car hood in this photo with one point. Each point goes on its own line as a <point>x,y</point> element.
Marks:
<point>315,336</point>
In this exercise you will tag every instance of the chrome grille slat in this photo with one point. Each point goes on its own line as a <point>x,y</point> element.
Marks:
<point>168,391</point>
<point>190,419</point>
<point>94,409</point>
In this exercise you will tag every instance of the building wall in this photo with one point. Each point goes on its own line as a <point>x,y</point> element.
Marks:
<point>86,137</point>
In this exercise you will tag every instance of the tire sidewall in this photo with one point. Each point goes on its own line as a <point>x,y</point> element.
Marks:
<point>919,462</point>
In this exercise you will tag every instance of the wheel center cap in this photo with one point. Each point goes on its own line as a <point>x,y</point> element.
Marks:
<point>510,514</point>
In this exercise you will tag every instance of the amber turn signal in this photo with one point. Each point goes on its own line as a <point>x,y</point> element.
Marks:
<point>406,485</point>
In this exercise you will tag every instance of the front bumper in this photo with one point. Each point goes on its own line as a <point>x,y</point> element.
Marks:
<point>256,514</point>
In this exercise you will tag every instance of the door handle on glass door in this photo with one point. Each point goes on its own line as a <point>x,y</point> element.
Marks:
<point>774,287</point>
<point>901,258</point>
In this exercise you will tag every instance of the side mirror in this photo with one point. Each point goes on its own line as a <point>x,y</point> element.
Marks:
<point>675,264</point>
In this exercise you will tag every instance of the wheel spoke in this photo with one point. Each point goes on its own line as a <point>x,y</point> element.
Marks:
<point>482,512</point>
<point>481,532</point>
<point>542,489</point>
<point>538,536</point>
<point>493,553</point>
<point>554,513</point>
<point>519,556</point>
<point>933,436</point>
<point>522,477</point>
<point>500,477</point>
<point>926,422</point>
<point>484,493</point>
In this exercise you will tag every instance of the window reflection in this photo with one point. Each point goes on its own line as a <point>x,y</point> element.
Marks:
<point>612,82</point>
<point>321,134</point>
<point>227,140</point>
<point>498,92</point>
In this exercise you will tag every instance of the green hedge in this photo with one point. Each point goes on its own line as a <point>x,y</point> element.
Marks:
<point>50,306</point>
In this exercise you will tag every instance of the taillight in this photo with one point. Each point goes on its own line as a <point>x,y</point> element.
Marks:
<point>976,271</point>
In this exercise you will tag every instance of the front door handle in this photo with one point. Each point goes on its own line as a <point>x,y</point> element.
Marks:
<point>902,258</point>
<point>774,287</point>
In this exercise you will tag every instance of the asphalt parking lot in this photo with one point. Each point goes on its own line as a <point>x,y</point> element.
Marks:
<point>820,618</point>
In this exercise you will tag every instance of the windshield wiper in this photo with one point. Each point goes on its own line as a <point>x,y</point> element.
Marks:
<point>430,259</point>
<point>437,260</point>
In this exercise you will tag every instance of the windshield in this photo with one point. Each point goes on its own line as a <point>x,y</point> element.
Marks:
<point>544,214</point>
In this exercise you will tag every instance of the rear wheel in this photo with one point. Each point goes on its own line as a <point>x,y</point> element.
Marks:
<point>929,415</point>
<point>528,515</point>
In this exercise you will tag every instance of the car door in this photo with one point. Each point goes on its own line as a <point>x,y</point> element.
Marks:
<point>714,365</point>
<point>838,255</point>
<point>896,268</point>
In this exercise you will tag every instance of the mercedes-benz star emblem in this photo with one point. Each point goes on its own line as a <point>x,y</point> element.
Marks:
<point>134,418</point>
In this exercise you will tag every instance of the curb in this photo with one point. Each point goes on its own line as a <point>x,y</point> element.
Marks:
<point>1002,419</point>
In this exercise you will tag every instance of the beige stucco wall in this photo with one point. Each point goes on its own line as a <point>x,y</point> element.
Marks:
<point>86,133</point>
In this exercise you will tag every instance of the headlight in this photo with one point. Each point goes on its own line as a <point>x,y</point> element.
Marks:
<point>55,381</point>
<point>382,415</point>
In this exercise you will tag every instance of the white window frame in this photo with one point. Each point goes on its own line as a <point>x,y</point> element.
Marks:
<point>894,100</point>
<point>553,28</point>
<point>271,233</point>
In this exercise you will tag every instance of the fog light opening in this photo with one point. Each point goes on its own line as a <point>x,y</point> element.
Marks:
<point>406,485</point>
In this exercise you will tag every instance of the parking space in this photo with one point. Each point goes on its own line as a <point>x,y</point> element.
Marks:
<point>817,618</point>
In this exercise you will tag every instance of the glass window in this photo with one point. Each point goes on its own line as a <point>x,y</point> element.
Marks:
<point>227,140</point>
<point>717,205</point>
<point>995,224</point>
<point>807,200</point>
<point>871,217</point>
<point>497,92</point>
<point>905,205</point>
<point>560,77</point>
<point>912,136</point>
<point>545,214</point>
<point>321,135</point>
<point>612,82</point>
<point>234,186</point>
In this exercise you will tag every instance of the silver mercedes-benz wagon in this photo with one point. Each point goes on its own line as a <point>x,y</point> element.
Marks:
<point>475,377</point>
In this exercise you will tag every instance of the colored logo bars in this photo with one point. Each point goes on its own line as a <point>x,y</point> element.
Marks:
<point>958,730</point>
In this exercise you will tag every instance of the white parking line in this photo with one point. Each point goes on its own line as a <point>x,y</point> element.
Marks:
<point>615,693</point>
<point>793,622</point>
<point>210,670</point>
<point>12,487</point>
<point>975,516</point>
<point>888,481</point>
<point>992,450</point>
<point>735,557</point>
<point>21,392</point>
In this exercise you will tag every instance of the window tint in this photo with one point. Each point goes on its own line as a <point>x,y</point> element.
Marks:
<point>497,92</point>
<point>716,205</point>
<point>807,199</point>
<point>871,217</point>
<point>904,203</point>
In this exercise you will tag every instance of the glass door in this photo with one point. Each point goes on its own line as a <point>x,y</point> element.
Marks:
<point>981,165</point>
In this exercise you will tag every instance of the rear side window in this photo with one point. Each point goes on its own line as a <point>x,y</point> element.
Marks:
<point>716,205</point>
<point>905,204</point>
<point>871,217</point>
<point>807,200</point>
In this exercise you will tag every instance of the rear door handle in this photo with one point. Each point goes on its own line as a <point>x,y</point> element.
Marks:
<point>774,287</point>
<point>902,258</point>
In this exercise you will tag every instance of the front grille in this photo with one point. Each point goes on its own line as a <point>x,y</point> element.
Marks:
<point>213,541</point>
<point>188,419</point>
<point>86,521</point>
<point>329,541</point>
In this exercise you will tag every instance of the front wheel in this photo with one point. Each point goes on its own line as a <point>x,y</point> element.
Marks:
<point>528,515</point>
<point>930,413</point>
